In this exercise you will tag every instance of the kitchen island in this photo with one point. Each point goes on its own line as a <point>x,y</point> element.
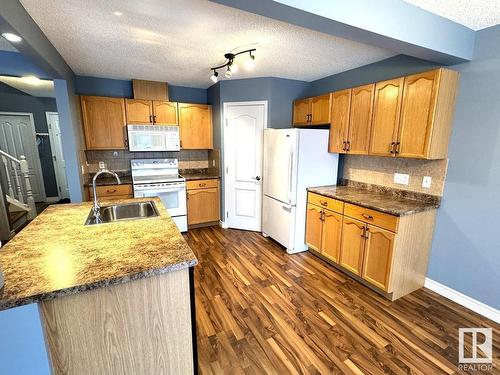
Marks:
<point>113,298</point>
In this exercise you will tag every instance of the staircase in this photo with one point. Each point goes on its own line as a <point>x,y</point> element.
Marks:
<point>18,208</point>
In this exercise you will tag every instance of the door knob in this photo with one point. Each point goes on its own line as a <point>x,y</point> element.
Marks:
<point>257,178</point>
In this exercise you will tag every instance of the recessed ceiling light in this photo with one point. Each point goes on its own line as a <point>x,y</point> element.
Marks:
<point>118,13</point>
<point>12,37</point>
<point>32,80</point>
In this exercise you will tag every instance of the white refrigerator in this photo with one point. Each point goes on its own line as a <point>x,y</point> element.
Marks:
<point>294,159</point>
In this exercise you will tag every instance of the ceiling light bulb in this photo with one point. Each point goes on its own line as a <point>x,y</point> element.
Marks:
<point>250,62</point>
<point>228,74</point>
<point>12,37</point>
<point>32,80</point>
<point>117,13</point>
<point>214,77</point>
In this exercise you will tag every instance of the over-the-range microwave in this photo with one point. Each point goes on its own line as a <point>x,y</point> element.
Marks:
<point>153,138</point>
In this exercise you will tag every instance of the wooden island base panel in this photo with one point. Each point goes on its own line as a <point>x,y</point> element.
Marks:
<point>133,328</point>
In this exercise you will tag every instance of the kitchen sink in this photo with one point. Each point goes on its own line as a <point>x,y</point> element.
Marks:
<point>122,212</point>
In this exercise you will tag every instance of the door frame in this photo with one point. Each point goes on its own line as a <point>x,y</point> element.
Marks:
<point>225,107</point>
<point>38,165</point>
<point>52,140</point>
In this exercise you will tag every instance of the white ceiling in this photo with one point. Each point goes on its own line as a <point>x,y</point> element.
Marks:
<point>43,88</point>
<point>179,40</point>
<point>475,14</point>
<point>6,46</point>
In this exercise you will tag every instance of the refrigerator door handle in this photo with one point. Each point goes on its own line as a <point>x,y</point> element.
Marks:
<point>290,176</point>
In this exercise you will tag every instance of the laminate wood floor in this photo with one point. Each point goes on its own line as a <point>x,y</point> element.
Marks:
<point>262,311</point>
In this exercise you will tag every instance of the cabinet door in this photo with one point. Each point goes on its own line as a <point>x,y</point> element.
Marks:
<point>320,110</point>
<point>417,116</point>
<point>139,111</point>
<point>339,126</point>
<point>331,236</point>
<point>195,121</point>
<point>165,113</point>
<point>203,205</point>
<point>301,111</point>
<point>313,227</point>
<point>103,122</point>
<point>353,244</point>
<point>378,256</point>
<point>360,119</point>
<point>386,111</point>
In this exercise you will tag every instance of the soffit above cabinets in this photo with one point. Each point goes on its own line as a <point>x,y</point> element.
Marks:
<point>179,40</point>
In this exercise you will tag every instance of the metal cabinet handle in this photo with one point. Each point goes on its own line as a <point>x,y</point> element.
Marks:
<point>367,232</point>
<point>322,215</point>
<point>396,151</point>
<point>151,118</point>
<point>343,145</point>
<point>363,232</point>
<point>368,217</point>
<point>393,144</point>
<point>348,143</point>
<point>324,203</point>
<point>202,184</point>
<point>111,191</point>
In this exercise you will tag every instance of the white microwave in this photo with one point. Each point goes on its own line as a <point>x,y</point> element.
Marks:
<point>153,138</point>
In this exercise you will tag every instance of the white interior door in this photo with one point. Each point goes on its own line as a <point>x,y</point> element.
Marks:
<point>17,137</point>
<point>243,143</point>
<point>57,154</point>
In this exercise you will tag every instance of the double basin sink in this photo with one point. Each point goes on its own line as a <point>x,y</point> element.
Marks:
<point>122,212</point>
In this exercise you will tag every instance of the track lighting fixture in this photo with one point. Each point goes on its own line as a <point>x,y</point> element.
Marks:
<point>231,66</point>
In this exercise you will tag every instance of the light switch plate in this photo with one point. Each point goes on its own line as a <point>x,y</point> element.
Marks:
<point>102,165</point>
<point>426,182</point>
<point>401,178</point>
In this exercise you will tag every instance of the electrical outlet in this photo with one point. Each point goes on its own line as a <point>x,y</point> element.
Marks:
<point>102,165</point>
<point>401,178</point>
<point>426,182</point>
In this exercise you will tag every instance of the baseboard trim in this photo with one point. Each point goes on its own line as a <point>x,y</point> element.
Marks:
<point>466,301</point>
<point>223,225</point>
<point>52,199</point>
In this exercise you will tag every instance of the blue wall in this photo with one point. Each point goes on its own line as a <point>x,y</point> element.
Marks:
<point>12,100</point>
<point>465,253</point>
<point>22,346</point>
<point>16,64</point>
<point>123,89</point>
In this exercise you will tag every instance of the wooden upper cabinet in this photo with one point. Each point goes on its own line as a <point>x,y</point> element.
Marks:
<point>301,111</point>
<point>320,110</point>
<point>427,114</point>
<point>165,113</point>
<point>331,235</point>
<point>139,111</point>
<point>104,122</point>
<point>386,112</point>
<point>360,119</point>
<point>339,127</point>
<point>378,256</point>
<point>195,122</point>
<point>353,245</point>
<point>314,225</point>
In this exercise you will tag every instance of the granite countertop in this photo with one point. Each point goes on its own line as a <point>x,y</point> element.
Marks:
<point>57,255</point>
<point>199,174</point>
<point>125,179</point>
<point>391,202</point>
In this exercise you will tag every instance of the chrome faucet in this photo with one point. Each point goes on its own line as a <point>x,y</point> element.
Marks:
<point>96,202</point>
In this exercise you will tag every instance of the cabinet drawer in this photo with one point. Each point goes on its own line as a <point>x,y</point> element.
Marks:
<point>380,219</point>
<point>112,191</point>
<point>202,184</point>
<point>326,202</point>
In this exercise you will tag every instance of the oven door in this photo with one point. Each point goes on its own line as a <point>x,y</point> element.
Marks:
<point>172,195</point>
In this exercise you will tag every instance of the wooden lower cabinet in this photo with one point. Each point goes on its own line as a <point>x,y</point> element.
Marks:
<point>203,202</point>
<point>353,245</point>
<point>109,192</point>
<point>378,256</point>
<point>314,227</point>
<point>386,252</point>
<point>324,229</point>
<point>331,235</point>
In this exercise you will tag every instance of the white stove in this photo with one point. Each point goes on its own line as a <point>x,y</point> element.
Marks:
<point>160,178</point>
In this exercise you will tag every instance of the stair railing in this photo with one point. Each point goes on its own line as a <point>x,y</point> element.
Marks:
<point>17,170</point>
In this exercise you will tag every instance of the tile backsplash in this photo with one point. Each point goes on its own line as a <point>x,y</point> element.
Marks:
<point>119,160</point>
<point>380,171</point>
